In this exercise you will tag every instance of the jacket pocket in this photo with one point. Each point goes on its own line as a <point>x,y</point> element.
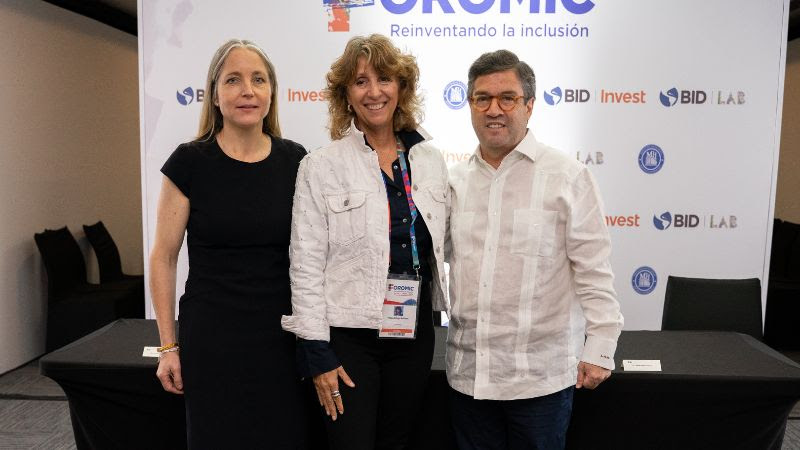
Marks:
<point>438,208</point>
<point>347,220</point>
<point>533,232</point>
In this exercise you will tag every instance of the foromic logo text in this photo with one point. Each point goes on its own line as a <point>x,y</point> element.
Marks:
<point>480,7</point>
<point>455,94</point>
<point>651,159</point>
<point>557,95</point>
<point>188,95</point>
<point>644,280</point>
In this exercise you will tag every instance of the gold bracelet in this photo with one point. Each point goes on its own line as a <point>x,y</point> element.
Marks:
<point>169,350</point>
<point>167,347</point>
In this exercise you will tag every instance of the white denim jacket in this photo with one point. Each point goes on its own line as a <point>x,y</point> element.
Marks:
<point>340,234</point>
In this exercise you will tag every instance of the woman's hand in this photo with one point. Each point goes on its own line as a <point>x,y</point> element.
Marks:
<point>327,385</point>
<point>169,372</point>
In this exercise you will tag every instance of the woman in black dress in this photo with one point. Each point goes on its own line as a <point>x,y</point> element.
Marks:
<point>231,191</point>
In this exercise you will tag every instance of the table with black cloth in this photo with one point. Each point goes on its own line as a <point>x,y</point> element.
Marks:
<point>715,390</point>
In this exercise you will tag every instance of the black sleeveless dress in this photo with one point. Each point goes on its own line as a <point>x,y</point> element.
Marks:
<point>240,383</point>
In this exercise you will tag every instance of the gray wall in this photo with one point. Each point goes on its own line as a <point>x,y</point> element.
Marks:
<point>69,153</point>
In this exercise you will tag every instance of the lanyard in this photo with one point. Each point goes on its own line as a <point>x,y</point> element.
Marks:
<point>411,206</point>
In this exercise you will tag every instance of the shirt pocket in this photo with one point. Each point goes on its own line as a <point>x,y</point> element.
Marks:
<point>533,232</point>
<point>347,221</point>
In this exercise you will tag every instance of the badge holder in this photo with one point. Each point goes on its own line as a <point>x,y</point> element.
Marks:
<point>400,307</point>
<point>401,301</point>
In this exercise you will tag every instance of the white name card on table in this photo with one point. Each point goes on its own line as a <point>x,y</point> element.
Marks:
<point>641,365</point>
<point>150,352</point>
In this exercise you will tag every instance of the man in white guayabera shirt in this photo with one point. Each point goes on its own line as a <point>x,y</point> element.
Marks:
<point>534,313</point>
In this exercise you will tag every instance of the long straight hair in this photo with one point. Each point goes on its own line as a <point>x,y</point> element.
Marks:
<point>211,116</point>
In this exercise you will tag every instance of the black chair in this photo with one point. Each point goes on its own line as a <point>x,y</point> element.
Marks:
<point>108,259</point>
<point>75,306</point>
<point>783,291</point>
<point>703,304</point>
<point>110,267</point>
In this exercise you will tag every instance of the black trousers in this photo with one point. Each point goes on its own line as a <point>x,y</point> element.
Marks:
<point>390,375</point>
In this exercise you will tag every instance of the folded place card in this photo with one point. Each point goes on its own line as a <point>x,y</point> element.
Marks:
<point>641,365</point>
<point>150,352</point>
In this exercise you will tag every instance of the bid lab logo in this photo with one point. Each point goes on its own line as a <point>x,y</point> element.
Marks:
<point>690,221</point>
<point>189,95</point>
<point>674,96</point>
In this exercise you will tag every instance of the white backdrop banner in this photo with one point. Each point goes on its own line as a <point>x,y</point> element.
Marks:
<point>674,106</point>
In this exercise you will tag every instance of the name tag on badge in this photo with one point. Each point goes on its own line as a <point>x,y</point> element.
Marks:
<point>399,314</point>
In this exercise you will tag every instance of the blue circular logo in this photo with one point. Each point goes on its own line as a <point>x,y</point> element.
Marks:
<point>663,221</point>
<point>553,97</point>
<point>644,280</point>
<point>670,98</point>
<point>185,97</point>
<point>455,94</point>
<point>651,158</point>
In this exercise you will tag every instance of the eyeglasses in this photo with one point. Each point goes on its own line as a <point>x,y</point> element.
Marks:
<point>507,102</point>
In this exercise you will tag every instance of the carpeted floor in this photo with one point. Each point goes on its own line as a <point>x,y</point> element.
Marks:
<point>25,383</point>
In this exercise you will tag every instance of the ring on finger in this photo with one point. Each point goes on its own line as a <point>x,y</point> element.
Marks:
<point>335,394</point>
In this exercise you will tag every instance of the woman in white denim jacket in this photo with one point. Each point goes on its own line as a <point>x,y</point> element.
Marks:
<point>343,247</point>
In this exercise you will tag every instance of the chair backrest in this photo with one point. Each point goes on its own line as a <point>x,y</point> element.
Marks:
<point>703,304</point>
<point>63,260</point>
<point>108,260</point>
<point>785,252</point>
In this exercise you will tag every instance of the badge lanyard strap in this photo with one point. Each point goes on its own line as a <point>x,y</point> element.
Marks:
<point>411,206</point>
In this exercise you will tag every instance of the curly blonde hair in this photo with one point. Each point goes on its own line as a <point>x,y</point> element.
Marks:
<point>387,60</point>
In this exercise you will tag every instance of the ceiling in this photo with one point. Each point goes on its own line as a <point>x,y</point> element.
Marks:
<point>121,14</point>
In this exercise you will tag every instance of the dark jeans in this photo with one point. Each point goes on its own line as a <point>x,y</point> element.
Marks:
<point>532,423</point>
<point>390,377</point>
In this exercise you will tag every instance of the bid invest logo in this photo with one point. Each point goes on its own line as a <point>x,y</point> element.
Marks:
<point>188,95</point>
<point>556,95</point>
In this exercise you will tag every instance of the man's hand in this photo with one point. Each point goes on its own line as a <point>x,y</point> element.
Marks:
<point>590,376</point>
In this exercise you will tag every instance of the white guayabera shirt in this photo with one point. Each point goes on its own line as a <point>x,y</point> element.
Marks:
<point>531,286</point>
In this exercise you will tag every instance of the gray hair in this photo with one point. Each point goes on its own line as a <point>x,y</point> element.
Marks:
<point>500,61</point>
<point>210,114</point>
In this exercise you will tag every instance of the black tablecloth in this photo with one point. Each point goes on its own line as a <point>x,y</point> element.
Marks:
<point>715,390</point>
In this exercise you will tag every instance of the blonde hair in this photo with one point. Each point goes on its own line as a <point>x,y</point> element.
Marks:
<point>387,60</point>
<point>211,116</point>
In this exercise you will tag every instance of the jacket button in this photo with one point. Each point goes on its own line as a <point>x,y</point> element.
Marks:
<point>429,216</point>
<point>347,202</point>
<point>415,187</point>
